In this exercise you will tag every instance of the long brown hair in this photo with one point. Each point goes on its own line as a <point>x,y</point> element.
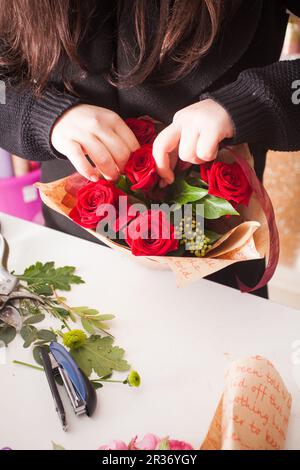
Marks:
<point>37,35</point>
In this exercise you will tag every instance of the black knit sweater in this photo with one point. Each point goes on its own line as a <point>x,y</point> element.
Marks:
<point>241,72</point>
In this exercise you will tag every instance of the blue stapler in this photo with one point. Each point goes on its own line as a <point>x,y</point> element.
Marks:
<point>59,362</point>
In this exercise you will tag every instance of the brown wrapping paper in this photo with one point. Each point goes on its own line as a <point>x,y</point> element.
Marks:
<point>254,410</point>
<point>247,241</point>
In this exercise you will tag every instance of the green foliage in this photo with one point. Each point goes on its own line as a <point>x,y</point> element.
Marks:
<point>124,185</point>
<point>7,333</point>
<point>92,320</point>
<point>216,207</point>
<point>99,354</point>
<point>44,278</point>
<point>184,193</point>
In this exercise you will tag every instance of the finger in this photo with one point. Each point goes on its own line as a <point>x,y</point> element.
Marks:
<point>102,158</point>
<point>188,146</point>
<point>76,156</point>
<point>207,146</point>
<point>117,147</point>
<point>126,134</point>
<point>164,144</point>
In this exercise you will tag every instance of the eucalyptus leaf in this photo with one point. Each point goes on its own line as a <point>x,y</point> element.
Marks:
<point>7,334</point>
<point>216,207</point>
<point>37,354</point>
<point>37,318</point>
<point>29,335</point>
<point>46,335</point>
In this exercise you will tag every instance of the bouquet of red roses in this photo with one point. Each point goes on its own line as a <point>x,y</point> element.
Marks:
<point>200,224</point>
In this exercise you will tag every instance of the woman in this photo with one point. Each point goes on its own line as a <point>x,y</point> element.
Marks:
<point>207,68</point>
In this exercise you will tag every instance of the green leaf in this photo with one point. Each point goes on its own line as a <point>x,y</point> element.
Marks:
<point>105,317</point>
<point>7,334</point>
<point>177,253</point>
<point>97,385</point>
<point>92,314</point>
<point>37,318</point>
<point>91,319</point>
<point>185,193</point>
<point>100,355</point>
<point>45,290</point>
<point>216,207</point>
<point>37,354</point>
<point>85,311</point>
<point>61,312</point>
<point>195,181</point>
<point>124,184</point>
<point>106,377</point>
<point>45,277</point>
<point>87,325</point>
<point>29,335</point>
<point>46,335</point>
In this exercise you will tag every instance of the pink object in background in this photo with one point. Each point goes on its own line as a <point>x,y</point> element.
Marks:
<point>19,197</point>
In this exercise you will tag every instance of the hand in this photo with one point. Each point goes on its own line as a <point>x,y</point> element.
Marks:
<point>194,136</point>
<point>99,133</point>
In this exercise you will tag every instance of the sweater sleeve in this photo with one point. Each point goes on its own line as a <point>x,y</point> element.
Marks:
<point>26,121</point>
<point>264,104</point>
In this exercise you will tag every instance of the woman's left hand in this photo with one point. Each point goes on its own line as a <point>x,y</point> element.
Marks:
<point>194,136</point>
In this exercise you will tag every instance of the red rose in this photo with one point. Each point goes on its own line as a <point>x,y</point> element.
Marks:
<point>89,198</point>
<point>141,169</point>
<point>143,129</point>
<point>228,181</point>
<point>204,171</point>
<point>151,234</point>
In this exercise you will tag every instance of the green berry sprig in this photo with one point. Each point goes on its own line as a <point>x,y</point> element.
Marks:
<point>190,233</point>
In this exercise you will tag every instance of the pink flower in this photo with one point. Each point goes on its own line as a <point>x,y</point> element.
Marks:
<point>114,445</point>
<point>179,445</point>
<point>149,442</point>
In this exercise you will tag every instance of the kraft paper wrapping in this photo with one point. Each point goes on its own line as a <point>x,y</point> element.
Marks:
<point>254,410</point>
<point>247,241</point>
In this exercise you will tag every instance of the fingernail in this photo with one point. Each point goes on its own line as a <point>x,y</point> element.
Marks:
<point>94,178</point>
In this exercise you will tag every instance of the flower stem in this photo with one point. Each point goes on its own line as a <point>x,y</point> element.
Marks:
<point>28,365</point>
<point>109,381</point>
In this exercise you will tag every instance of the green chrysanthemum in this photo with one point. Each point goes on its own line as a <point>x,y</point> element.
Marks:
<point>74,339</point>
<point>134,379</point>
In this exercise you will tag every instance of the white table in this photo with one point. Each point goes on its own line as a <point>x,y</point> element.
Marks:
<point>180,340</point>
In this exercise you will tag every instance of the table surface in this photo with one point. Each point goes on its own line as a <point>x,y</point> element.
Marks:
<point>180,340</point>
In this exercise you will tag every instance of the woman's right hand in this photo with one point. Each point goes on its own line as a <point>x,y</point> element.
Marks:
<point>99,133</point>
